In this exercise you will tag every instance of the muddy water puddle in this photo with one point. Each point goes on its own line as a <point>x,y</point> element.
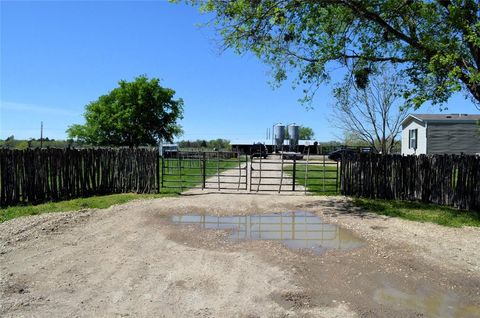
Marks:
<point>432,304</point>
<point>306,231</point>
<point>297,230</point>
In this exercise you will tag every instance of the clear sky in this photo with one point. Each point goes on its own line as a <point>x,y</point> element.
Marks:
<point>57,56</point>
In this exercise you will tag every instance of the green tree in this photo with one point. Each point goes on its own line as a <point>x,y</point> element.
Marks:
<point>10,142</point>
<point>22,145</point>
<point>306,133</point>
<point>134,114</point>
<point>433,43</point>
<point>353,139</point>
<point>219,144</point>
<point>184,144</point>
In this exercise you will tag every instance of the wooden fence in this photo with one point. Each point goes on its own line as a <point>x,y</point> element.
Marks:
<point>39,175</point>
<point>443,179</point>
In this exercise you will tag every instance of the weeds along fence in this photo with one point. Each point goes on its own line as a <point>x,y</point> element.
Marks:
<point>442,179</point>
<point>39,175</point>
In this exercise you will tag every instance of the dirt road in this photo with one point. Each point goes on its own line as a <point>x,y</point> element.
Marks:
<point>130,260</point>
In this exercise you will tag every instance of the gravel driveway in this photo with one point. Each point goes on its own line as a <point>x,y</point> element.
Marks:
<point>267,176</point>
<point>130,260</point>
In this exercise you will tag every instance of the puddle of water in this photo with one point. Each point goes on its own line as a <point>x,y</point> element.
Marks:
<point>434,305</point>
<point>297,230</point>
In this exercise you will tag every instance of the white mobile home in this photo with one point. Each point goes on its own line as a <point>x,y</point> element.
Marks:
<point>440,134</point>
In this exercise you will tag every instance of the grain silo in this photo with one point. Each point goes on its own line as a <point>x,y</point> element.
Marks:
<point>294,135</point>
<point>279,133</point>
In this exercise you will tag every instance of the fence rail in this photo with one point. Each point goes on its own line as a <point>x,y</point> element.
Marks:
<point>208,170</point>
<point>442,179</point>
<point>286,175</point>
<point>39,175</point>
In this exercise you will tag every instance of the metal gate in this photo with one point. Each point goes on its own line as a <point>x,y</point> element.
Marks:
<point>291,172</point>
<point>205,170</point>
<point>234,171</point>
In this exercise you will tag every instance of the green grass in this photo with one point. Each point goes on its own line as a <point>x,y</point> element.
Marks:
<point>102,202</point>
<point>98,202</point>
<point>319,178</point>
<point>421,212</point>
<point>191,172</point>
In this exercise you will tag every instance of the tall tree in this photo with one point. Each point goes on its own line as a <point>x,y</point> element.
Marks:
<point>350,138</point>
<point>219,144</point>
<point>306,133</point>
<point>10,142</point>
<point>134,114</point>
<point>372,114</point>
<point>435,43</point>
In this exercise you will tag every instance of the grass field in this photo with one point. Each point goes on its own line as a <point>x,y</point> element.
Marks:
<point>319,182</point>
<point>184,174</point>
<point>422,212</point>
<point>96,202</point>
<point>320,179</point>
<point>191,177</point>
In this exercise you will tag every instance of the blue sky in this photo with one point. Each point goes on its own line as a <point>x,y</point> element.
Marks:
<point>58,56</point>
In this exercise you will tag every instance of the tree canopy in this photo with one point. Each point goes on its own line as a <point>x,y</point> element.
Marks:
<point>433,43</point>
<point>136,113</point>
<point>373,114</point>
<point>219,144</point>
<point>305,133</point>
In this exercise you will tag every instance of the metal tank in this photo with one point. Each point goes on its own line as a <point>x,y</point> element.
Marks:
<point>294,135</point>
<point>279,134</point>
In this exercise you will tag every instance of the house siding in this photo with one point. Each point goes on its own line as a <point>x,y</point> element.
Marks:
<point>452,138</point>
<point>422,138</point>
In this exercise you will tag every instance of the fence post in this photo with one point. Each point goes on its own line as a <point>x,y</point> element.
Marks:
<point>337,180</point>
<point>163,170</point>
<point>179,166</point>
<point>306,170</point>
<point>218,170</point>
<point>294,171</point>
<point>324,167</point>
<point>158,171</point>
<point>259,174</point>
<point>246,172</point>
<point>239,172</point>
<point>251,171</point>
<point>203,170</point>
<point>281,177</point>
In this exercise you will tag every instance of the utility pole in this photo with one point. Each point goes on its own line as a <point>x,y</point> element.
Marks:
<point>41,134</point>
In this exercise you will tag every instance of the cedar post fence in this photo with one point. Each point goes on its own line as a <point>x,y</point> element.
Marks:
<point>442,179</point>
<point>39,175</point>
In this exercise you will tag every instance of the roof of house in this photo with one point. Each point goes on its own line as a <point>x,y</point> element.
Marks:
<point>443,118</point>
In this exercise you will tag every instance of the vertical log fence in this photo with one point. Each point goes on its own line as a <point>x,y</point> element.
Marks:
<point>452,180</point>
<point>39,175</point>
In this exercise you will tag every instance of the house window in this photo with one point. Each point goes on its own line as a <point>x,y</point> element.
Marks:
<point>412,138</point>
